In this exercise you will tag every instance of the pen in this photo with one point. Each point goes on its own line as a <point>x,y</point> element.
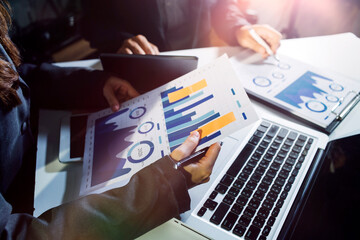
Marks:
<point>196,156</point>
<point>261,41</point>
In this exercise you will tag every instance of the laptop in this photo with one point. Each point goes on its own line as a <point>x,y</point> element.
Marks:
<point>147,72</point>
<point>259,183</point>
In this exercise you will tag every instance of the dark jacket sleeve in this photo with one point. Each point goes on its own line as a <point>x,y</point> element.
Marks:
<point>226,16</point>
<point>154,195</point>
<point>65,87</point>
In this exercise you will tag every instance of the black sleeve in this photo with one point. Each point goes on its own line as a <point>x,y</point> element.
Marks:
<point>65,88</point>
<point>226,16</point>
<point>102,24</point>
<point>154,195</point>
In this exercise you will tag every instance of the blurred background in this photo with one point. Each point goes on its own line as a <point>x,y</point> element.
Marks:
<point>48,30</point>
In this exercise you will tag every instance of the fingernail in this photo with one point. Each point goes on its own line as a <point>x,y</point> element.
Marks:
<point>195,134</point>
<point>115,108</point>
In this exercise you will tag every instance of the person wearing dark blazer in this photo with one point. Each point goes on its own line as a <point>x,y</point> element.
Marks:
<point>147,27</point>
<point>153,195</point>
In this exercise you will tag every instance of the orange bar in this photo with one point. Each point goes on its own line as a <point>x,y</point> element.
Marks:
<point>179,94</point>
<point>216,124</point>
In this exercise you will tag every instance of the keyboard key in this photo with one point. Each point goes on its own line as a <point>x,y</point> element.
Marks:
<point>263,212</point>
<point>291,179</point>
<point>279,203</point>
<point>272,131</point>
<point>251,185</point>
<point>275,212</point>
<point>282,133</point>
<point>258,222</point>
<point>295,172</point>
<point>268,203</point>
<point>239,230</point>
<point>246,192</point>
<point>242,200</point>
<point>302,138</point>
<point>213,195</point>
<point>229,221</point>
<point>267,180</point>
<point>210,204</point>
<point>259,195</point>
<point>299,143</point>
<point>243,176</point>
<point>259,134</point>
<point>238,184</point>
<point>252,233</point>
<point>201,212</point>
<point>283,195</point>
<point>220,188</point>
<point>254,140</point>
<point>298,165</point>
<point>284,174</point>
<point>266,230</point>
<point>290,161</point>
<point>272,196</point>
<point>287,187</point>
<point>227,180</point>
<point>228,199</point>
<point>234,192</point>
<point>265,124</point>
<point>248,169</point>
<point>240,160</point>
<point>280,181</point>
<point>262,128</point>
<point>271,173</point>
<point>292,135</point>
<point>219,213</point>
<point>244,221</point>
<point>262,237</point>
<point>254,203</point>
<point>287,167</point>
<point>236,208</point>
<point>271,221</point>
<point>260,170</point>
<point>311,140</point>
<point>249,212</point>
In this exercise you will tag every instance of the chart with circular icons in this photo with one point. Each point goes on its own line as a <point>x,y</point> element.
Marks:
<point>284,66</point>
<point>140,151</point>
<point>336,87</point>
<point>262,81</point>
<point>332,98</point>
<point>278,75</point>
<point>316,106</point>
<point>137,112</point>
<point>145,127</point>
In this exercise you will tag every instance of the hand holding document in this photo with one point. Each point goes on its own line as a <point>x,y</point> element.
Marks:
<point>210,100</point>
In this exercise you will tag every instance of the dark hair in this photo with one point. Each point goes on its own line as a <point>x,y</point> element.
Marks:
<point>9,78</point>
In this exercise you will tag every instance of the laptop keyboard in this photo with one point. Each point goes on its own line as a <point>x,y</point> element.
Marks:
<point>254,188</point>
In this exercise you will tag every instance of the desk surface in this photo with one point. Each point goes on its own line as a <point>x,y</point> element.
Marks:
<point>57,182</point>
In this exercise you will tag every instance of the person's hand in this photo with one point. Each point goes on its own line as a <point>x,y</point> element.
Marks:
<point>269,34</point>
<point>117,90</point>
<point>138,45</point>
<point>200,171</point>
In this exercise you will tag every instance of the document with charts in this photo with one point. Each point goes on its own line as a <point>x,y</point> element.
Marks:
<point>319,96</point>
<point>210,99</point>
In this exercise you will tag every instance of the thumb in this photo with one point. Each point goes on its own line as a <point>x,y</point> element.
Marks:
<point>185,149</point>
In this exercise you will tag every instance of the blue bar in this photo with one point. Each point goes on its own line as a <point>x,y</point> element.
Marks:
<point>202,141</point>
<point>158,126</point>
<point>181,120</point>
<point>162,153</point>
<point>238,103</point>
<point>186,131</point>
<point>233,92</point>
<point>171,130</point>
<point>171,113</point>
<point>177,142</point>
<point>326,117</point>
<point>244,116</point>
<point>167,106</point>
<point>210,137</point>
<point>173,117</point>
<point>166,92</point>
<point>160,140</point>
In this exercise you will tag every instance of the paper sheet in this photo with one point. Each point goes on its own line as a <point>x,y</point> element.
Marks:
<point>117,145</point>
<point>301,89</point>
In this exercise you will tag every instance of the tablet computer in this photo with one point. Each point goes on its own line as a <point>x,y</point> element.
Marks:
<point>147,72</point>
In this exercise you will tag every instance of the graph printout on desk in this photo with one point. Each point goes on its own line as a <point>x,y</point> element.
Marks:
<point>316,95</point>
<point>117,145</point>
